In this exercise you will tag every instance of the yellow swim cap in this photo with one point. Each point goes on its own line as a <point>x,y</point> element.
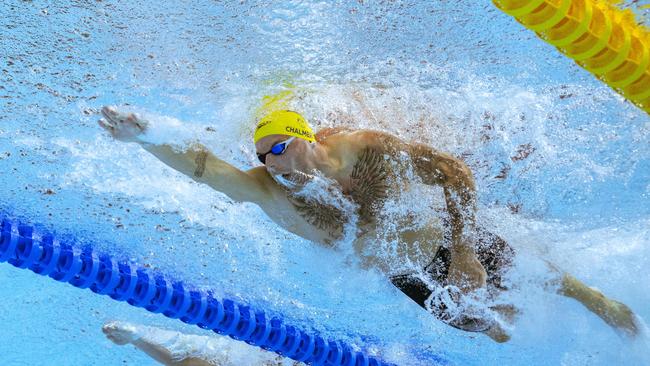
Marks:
<point>283,122</point>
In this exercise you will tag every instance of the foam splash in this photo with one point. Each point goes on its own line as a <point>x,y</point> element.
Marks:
<point>125,170</point>
<point>561,164</point>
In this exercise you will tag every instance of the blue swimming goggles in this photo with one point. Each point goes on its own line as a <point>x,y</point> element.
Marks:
<point>277,149</point>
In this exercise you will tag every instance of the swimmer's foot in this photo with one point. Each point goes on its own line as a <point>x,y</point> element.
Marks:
<point>497,333</point>
<point>616,314</point>
<point>619,316</point>
<point>120,333</point>
<point>508,314</point>
<point>122,126</point>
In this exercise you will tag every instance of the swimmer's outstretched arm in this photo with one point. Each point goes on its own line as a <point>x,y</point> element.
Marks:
<point>197,162</point>
<point>204,167</point>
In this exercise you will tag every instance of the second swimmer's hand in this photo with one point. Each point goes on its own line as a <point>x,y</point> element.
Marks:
<point>127,127</point>
<point>466,272</point>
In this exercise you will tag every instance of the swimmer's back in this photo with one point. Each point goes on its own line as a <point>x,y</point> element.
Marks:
<point>323,134</point>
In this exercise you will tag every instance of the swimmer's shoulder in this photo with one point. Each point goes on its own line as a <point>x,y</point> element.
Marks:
<point>358,139</point>
<point>327,133</point>
<point>266,182</point>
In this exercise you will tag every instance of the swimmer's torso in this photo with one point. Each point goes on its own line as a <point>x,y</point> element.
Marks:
<point>367,172</point>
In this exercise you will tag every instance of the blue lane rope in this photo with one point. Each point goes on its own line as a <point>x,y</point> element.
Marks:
<point>25,246</point>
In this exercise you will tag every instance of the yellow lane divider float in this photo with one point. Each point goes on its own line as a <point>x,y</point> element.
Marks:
<point>597,35</point>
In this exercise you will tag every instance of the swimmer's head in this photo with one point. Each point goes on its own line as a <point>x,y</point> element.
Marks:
<point>283,140</point>
<point>283,122</point>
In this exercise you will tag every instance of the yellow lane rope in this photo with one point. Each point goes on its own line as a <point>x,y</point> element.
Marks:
<point>597,35</point>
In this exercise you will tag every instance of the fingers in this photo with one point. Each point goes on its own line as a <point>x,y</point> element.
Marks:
<point>108,126</point>
<point>105,125</point>
<point>134,120</point>
<point>109,112</point>
<point>120,333</point>
<point>122,126</point>
<point>116,118</point>
<point>111,119</point>
<point>109,327</point>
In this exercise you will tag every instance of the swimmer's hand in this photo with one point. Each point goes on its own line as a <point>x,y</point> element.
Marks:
<point>127,127</point>
<point>466,272</point>
<point>120,333</point>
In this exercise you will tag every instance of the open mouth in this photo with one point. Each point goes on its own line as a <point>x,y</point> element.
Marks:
<point>293,180</point>
<point>285,180</point>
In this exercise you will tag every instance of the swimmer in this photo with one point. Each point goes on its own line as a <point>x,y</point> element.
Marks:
<point>173,348</point>
<point>368,168</point>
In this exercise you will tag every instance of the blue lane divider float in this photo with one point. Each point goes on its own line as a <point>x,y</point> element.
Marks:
<point>26,247</point>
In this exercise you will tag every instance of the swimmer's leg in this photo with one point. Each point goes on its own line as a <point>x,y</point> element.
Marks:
<point>497,333</point>
<point>508,314</point>
<point>618,315</point>
<point>176,349</point>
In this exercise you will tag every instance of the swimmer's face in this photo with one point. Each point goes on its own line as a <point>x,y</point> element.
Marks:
<point>291,160</point>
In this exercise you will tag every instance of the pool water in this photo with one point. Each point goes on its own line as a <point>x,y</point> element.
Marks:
<point>562,165</point>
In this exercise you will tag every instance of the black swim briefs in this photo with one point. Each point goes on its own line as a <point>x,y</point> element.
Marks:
<point>494,254</point>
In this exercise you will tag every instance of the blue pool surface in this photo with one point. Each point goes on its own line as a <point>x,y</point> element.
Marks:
<point>562,165</point>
